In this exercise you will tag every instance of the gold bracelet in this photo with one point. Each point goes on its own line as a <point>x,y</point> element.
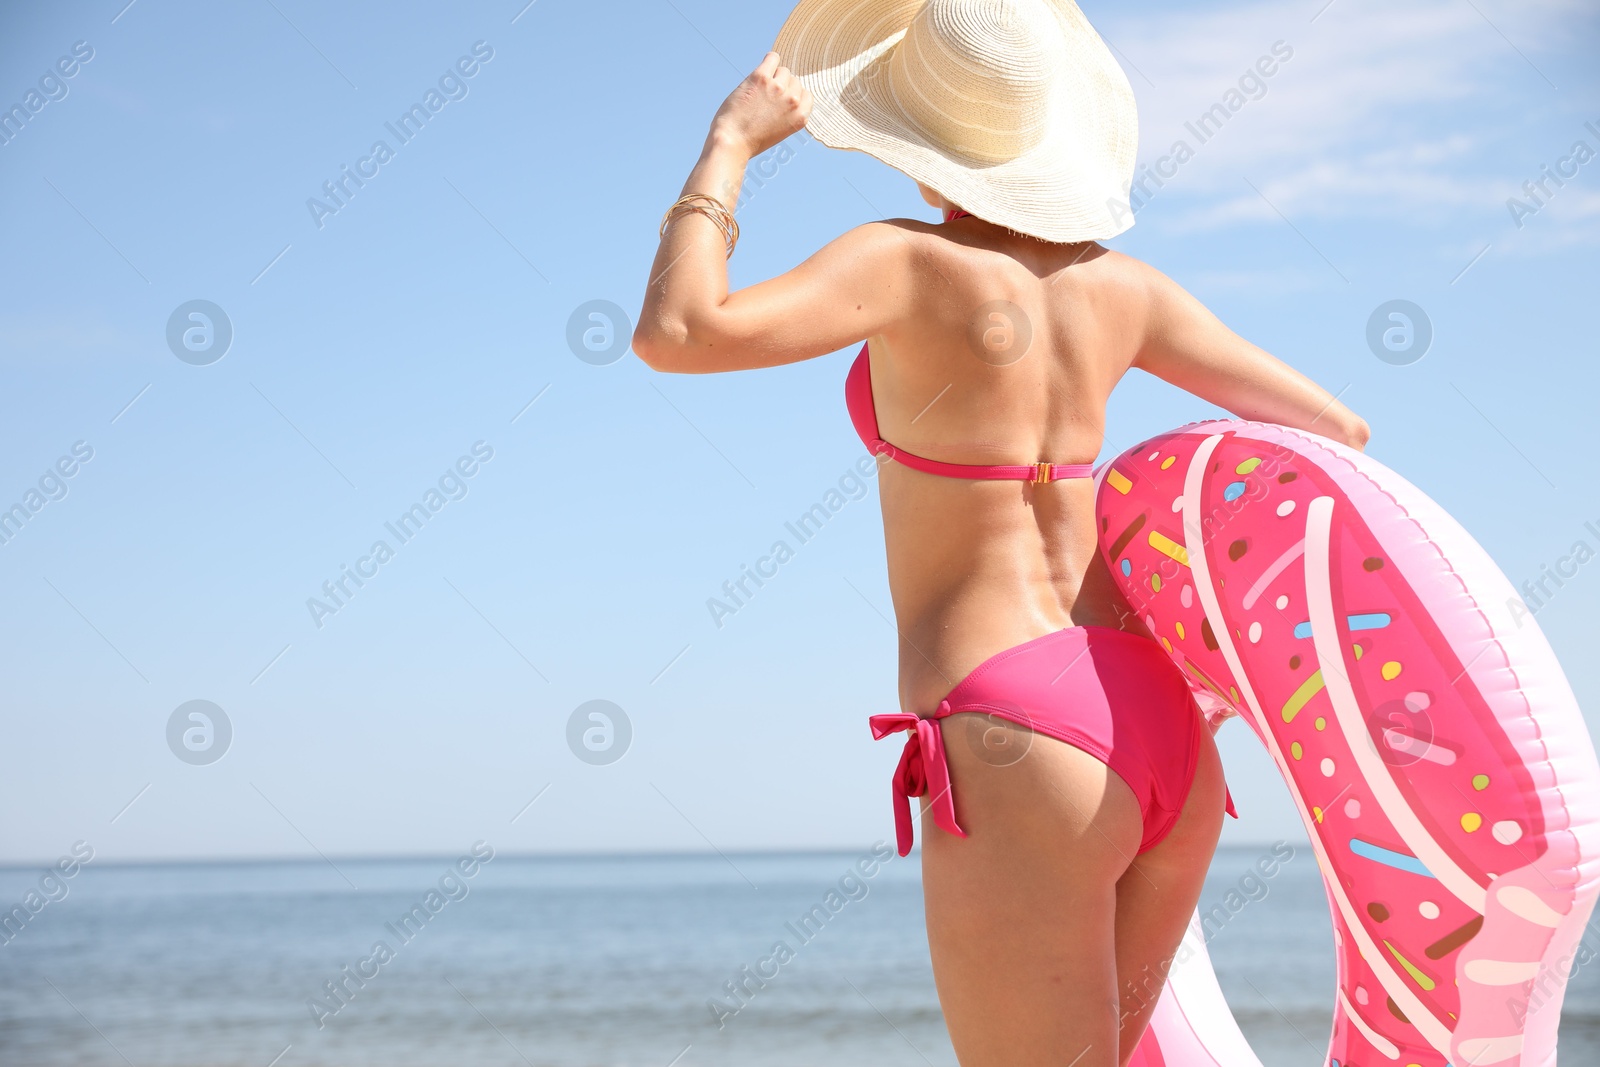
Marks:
<point>711,208</point>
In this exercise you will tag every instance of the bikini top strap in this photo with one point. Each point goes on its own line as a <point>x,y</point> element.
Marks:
<point>864,415</point>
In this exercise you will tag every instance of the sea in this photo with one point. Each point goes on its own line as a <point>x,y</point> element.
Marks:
<point>598,961</point>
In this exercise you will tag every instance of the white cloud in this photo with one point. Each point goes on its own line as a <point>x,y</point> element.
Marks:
<point>1383,111</point>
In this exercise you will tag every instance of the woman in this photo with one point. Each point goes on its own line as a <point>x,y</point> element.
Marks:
<point>1076,795</point>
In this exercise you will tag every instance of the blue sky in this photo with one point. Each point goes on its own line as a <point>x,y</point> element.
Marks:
<point>374,348</point>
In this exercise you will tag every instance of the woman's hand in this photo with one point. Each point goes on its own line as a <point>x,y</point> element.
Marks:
<point>852,288</point>
<point>766,107</point>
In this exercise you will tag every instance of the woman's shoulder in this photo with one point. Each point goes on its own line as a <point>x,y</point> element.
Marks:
<point>1127,272</point>
<point>948,250</point>
<point>880,246</point>
<point>881,237</point>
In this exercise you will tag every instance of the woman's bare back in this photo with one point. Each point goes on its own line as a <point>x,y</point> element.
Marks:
<point>1013,349</point>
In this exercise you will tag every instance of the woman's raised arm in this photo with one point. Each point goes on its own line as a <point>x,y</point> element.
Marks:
<point>691,324</point>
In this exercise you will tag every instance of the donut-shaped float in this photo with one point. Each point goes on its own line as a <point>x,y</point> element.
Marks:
<point>1430,741</point>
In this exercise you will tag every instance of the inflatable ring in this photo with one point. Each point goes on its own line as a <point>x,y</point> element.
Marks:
<point>1430,741</point>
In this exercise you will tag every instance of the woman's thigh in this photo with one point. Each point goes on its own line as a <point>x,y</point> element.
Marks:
<point>1022,914</point>
<point>1157,895</point>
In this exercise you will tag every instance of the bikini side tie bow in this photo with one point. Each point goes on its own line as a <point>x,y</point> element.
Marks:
<point>922,771</point>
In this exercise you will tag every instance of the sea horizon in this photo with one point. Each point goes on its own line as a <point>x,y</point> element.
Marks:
<point>425,854</point>
<point>603,959</point>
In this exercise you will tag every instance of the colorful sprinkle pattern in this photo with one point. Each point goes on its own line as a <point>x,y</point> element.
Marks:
<point>1244,552</point>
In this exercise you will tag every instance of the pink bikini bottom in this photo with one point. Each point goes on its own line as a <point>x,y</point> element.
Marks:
<point>1113,694</point>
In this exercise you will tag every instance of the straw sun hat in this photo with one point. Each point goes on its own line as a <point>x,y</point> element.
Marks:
<point>1014,110</point>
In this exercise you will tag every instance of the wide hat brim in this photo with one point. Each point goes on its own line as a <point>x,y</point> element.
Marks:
<point>1073,185</point>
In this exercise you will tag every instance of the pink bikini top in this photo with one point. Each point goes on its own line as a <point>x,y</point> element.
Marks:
<point>864,414</point>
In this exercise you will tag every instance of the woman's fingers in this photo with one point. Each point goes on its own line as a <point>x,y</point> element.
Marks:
<point>767,106</point>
